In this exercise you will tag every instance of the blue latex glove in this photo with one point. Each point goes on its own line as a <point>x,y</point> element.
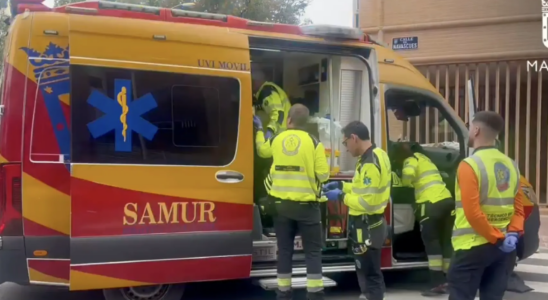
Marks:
<point>268,134</point>
<point>510,242</point>
<point>331,186</point>
<point>333,195</point>
<point>257,123</point>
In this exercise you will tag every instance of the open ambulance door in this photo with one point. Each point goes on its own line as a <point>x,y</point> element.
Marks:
<point>161,170</point>
<point>471,106</point>
<point>529,242</point>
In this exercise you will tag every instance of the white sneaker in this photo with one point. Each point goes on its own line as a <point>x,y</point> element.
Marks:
<point>362,297</point>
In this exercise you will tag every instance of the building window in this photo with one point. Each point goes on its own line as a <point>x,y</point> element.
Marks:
<point>357,20</point>
<point>168,119</point>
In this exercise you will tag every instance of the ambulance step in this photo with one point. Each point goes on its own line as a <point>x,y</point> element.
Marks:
<point>296,283</point>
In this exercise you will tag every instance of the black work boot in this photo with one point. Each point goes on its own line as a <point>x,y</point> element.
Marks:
<point>315,295</point>
<point>284,295</point>
<point>436,291</point>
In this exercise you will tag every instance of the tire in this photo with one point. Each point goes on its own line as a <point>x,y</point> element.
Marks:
<point>156,292</point>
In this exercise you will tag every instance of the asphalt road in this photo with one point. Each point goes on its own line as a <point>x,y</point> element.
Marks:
<point>401,285</point>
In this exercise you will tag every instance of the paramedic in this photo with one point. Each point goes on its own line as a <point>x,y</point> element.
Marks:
<point>273,100</point>
<point>434,210</point>
<point>299,168</point>
<point>489,215</point>
<point>366,196</point>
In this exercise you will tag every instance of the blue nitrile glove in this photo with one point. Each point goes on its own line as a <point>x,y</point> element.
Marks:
<point>509,243</point>
<point>331,186</point>
<point>333,195</point>
<point>257,123</point>
<point>268,134</point>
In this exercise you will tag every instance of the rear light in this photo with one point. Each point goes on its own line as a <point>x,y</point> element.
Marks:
<point>11,223</point>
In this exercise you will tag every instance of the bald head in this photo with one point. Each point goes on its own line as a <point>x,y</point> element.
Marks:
<point>298,116</point>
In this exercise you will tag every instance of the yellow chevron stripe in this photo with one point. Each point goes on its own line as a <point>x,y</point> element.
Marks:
<point>86,281</point>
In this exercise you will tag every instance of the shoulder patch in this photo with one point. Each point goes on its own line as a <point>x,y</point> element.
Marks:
<point>366,180</point>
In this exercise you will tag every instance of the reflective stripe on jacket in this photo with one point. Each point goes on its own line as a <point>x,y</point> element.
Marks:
<point>369,191</point>
<point>498,178</point>
<point>423,175</point>
<point>299,165</point>
<point>276,104</point>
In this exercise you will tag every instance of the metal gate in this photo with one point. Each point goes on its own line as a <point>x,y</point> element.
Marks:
<point>511,88</point>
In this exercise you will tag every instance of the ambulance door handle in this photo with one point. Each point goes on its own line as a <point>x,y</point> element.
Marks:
<point>229,176</point>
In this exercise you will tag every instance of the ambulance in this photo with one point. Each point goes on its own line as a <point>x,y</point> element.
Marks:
<point>126,145</point>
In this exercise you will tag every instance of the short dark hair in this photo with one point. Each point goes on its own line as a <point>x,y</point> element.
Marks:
<point>299,115</point>
<point>490,119</point>
<point>357,128</point>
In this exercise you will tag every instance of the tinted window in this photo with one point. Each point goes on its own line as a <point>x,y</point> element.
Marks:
<point>122,116</point>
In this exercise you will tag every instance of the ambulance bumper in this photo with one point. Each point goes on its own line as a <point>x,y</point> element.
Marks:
<point>13,261</point>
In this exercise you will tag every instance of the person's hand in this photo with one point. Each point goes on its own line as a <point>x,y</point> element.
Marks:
<point>509,243</point>
<point>331,186</point>
<point>512,238</point>
<point>268,134</point>
<point>333,195</point>
<point>257,123</point>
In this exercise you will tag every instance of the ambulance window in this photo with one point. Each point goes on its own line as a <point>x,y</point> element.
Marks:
<point>171,118</point>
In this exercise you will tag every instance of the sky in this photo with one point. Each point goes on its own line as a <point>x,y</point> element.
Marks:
<point>319,11</point>
<point>325,12</point>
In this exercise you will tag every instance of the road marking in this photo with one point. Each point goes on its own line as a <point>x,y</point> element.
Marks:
<point>525,268</point>
<point>538,256</point>
<point>539,287</point>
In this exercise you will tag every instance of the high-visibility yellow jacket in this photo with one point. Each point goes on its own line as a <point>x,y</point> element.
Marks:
<point>498,178</point>
<point>299,165</point>
<point>369,191</point>
<point>276,104</point>
<point>423,175</point>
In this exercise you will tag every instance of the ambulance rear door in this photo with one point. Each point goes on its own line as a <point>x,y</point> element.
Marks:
<point>161,153</point>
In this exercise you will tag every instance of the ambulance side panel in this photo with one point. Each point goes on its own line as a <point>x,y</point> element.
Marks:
<point>13,264</point>
<point>162,153</point>
<point>46,151</point>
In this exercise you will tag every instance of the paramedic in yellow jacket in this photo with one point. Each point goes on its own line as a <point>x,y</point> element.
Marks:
<point>294,184</point>
<point>434,210</point>
<point>273,100</point>
<point>366,196</point>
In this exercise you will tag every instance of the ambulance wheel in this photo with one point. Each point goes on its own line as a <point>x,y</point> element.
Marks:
<point>152,292</point>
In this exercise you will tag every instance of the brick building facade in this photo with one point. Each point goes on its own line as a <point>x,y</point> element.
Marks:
<point>491,41</point>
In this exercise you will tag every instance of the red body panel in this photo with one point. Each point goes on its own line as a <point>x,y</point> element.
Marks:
<point>97,208</point>
<point>172,271</point>
<point>56,268</point>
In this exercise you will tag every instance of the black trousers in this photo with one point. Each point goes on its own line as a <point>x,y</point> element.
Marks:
<point>436,225</point>
<point>303,218</point>
<point>368,258</point>
<point>483,267</point>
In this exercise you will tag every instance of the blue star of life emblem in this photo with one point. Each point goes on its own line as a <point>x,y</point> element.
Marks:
<point>122,115</point>
<point>366,180</point>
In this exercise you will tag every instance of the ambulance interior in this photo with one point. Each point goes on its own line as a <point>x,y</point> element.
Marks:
<point>306,79</point>
<point>408,113</point>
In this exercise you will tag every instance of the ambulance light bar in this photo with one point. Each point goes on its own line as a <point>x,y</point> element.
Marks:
<point>333,32</point>
<point>199,15</point>
<point>129,7</point>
